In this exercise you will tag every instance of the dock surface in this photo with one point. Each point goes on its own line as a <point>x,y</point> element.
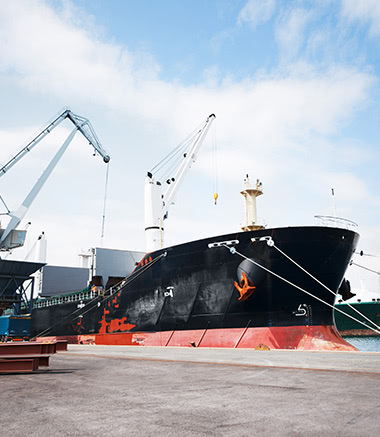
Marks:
<point>93,390</point>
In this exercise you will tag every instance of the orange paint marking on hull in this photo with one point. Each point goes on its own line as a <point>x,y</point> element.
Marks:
<point>114,325</point>
<point>245,289</point>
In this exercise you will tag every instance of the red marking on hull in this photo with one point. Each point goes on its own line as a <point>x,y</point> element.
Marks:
<point>114,325</point>
<point>118,339</point>
<point>120,325</point>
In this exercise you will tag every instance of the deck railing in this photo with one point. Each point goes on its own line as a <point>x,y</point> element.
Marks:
<point>336,222</point>
<point>83,295</point>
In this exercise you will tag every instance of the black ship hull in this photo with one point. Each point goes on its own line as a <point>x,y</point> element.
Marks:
<point>203,286</point>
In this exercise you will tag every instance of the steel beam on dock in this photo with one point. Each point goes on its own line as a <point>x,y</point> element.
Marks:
<point>42,360</point>
<point>19,365</point>
<point>21,348</point>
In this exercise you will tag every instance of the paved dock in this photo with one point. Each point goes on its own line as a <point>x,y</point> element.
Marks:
<point>125,390</point>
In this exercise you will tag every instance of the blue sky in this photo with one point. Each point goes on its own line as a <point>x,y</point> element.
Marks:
<point>294,86</point>
<point>186,37</point>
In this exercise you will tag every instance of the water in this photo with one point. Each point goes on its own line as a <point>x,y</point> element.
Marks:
<point>366,344</point>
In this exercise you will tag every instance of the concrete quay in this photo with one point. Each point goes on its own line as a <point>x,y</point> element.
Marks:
<point>93,390</point>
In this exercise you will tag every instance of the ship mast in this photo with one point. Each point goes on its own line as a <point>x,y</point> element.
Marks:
<point>250,195</point>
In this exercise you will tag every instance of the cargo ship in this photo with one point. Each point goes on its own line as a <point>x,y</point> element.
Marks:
<point>224,291</point>
<point>255,288</point>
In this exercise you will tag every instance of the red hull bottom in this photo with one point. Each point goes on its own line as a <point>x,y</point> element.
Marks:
<point>280,337</point>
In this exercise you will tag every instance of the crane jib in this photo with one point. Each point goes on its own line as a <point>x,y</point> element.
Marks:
<point>82,125</point>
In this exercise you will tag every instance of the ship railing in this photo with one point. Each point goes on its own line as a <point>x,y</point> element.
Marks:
<point>67,298</point>
<point>260,222</point>
<point>335,222</point>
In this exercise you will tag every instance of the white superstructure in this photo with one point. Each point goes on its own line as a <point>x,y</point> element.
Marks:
<point>250,194</point>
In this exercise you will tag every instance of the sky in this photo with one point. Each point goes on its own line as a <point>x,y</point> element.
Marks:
<point>294,86</point>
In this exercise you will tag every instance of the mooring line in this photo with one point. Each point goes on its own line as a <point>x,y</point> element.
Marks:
<point>114,289</point>
<point>233,251</point>
<point>323,285</point>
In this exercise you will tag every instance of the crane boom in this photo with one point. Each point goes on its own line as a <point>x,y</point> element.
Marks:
<point>85,128</point>
<point>156,204</point>
<point>190,158</point>
<point>82,125</point>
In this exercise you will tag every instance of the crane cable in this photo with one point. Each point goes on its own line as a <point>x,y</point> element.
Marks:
<point>214,165</point>
<point>104,206</point>
<point>179,149</point>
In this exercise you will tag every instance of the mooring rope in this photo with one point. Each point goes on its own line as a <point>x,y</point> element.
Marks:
<point>114,289</point>
<point>365,268</point>
<point>234,251</point>
<point>324,286</point>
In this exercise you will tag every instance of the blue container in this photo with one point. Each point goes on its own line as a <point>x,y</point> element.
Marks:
<point>15,326</point>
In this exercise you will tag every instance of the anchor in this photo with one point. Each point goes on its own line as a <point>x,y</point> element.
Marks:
<point>245,289</point>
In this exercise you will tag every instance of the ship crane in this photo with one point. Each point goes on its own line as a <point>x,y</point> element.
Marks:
<point>11,238</point>
<point>157,204</point>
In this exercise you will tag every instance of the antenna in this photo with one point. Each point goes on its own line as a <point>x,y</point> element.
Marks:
<point>333,199</point>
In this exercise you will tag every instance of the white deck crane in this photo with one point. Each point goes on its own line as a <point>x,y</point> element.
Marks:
<point>157,204</point>
<point>10,237</point>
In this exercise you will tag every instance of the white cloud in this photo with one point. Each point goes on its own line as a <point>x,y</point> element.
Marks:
<point>318,40</point>
<point>348,188</point>
<point>366,12</point>
<point>11,141</point>
<point>256,12</point>
<point>290,30</point>
<point>48,51</point>
<point>221,38</point>
<point>85,68</point>
<point>265,126</point>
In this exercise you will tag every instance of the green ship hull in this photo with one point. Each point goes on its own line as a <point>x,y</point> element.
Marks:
<point>349,327</point>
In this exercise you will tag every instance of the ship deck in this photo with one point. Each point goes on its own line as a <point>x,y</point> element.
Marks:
<point>97,390</point>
